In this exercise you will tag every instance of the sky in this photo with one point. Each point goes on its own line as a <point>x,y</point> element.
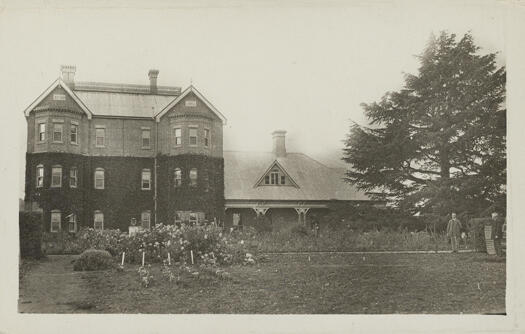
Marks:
<point>301,66</point>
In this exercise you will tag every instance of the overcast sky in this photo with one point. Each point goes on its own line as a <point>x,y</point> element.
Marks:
<point>302,67</point>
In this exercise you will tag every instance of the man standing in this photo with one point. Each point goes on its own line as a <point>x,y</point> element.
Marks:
<point>453,231</point>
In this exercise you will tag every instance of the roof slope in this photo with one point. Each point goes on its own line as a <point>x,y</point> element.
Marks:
<point>124,104</point>
<point>316,181</point>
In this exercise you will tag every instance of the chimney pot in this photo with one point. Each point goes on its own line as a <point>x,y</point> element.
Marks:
<point>153,74</point>
<point>68,74</point>
<point>279,143</point>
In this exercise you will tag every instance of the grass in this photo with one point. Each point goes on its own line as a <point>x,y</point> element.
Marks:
<point>321,283</point>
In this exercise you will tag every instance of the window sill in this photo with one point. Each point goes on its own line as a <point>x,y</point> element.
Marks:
<point>146,148</point>
<point>96,146</point>
<point>72,143</point>
<point>57,142</point>
<point>145,189</point>
<point>55,187</point>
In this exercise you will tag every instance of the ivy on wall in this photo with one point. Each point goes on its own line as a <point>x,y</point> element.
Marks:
<point>122,197</point>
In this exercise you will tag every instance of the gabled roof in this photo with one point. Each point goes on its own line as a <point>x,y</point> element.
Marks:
<point>63,85</point>
<point>190,89</point>
<point>272,166</point>
<point>315,181</point>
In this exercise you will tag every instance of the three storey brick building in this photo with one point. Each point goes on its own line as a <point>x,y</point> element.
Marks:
<point>104,155</point>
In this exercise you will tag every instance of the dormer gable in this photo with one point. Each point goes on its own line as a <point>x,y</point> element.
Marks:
<point>58,96</point>
<point>191,100</point>
<point>276,175</point>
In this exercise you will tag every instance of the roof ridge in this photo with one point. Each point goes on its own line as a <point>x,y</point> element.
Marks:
<point>125,88</point>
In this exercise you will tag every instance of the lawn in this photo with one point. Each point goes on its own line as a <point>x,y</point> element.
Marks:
<point>316,283</point>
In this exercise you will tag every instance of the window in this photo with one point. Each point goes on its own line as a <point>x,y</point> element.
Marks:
<point>99,178</point>
<point>178,177</point>
<point>57,132</point>
<point>39,176</point>
<point>193,177</point>
<point>283,179</point>
<point>274,177</point>
<point>194,219</point>
<point>73,177</point>
<point>98,221</point>
<point>267,179</point>
<point>100,137</point>
<point>55,221</point>
<point>73,136</point>
<point>145,218</point>
<point>206,137</point>
<point>59,97</point>
<point>56,176</point>
<point>178,136</point>
<point>146,134</point>
<point>146,179</point>
<point>193,136</point>
<point>72,225</point>
<point>178,218</point>
<point>41,131</point>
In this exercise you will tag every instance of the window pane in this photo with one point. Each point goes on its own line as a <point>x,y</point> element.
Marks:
<point>146,138</point>
<point>206,137</point>
<point>57,132</point>
<point>178,177</point>
<point>193,177</point>
<point>99,179</point>
<point>73,178</point>
<point>42,131</point>
<point>56,176</point>
<point>100,137</point>
<point>146,179</point>
<point>40,176</point>
<point>267,179</point>
<point>283,179</point>
<point>98,221</point>
<point>72,226</point>
<point>74,132</point>
<point>193,136</point>
<point>146,219</point>
<point>178,137</point>
<point>55,221</point>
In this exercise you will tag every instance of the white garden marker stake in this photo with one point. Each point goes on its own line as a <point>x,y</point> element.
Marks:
<point>123,256</point>
<point>143,253</point>
<point>169,259</point>
<point>191,253</point>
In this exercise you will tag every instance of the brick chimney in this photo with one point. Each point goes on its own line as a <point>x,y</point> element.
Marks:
<point>153,74</point>
<point>68,74</point>
<point>279,143</point>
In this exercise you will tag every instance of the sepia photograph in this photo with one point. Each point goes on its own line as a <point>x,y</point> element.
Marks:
<point>257,158</point>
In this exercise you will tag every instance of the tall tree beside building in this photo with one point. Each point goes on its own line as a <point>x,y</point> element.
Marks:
<point>439,143</point>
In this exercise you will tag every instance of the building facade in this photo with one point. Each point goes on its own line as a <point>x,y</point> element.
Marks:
<point>109,155</point>
<point>106,155</point>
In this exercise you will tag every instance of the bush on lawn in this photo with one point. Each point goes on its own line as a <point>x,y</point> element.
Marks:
<point>93,259</point>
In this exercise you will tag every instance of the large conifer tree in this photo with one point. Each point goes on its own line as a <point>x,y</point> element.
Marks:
<point>438,144</point>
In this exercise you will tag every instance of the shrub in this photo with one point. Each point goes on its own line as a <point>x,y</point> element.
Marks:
<point>30,235</point>
<point>93,259</point>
